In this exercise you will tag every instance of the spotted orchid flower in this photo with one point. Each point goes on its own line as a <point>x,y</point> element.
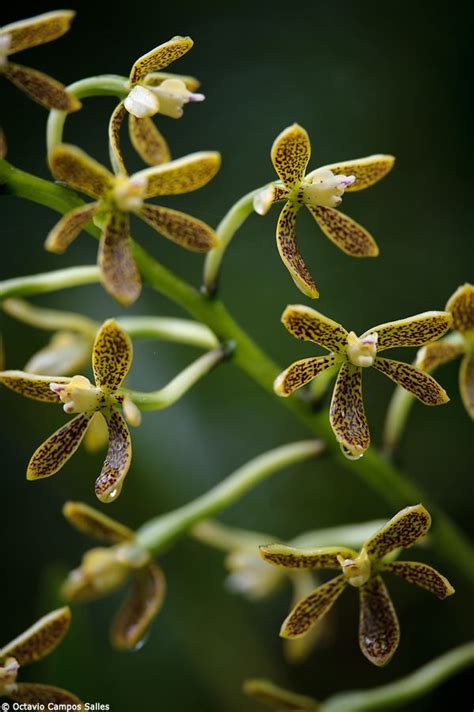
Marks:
<point>29,33</point>
<point>152,92</point>
<point>351,354</point>
<point>461,308</point>
<point>379,631</point>
<point>111,360</point>
<point>106,569</point>
<point>34,644</point>
<point>117,197</point>
<point>320,191</point>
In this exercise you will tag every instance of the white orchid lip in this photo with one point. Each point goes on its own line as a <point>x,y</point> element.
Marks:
<point>79,395</point>
<point>172,94</point>
<point>142,102</point>
<point>325,189</point>
<point>362,351</point>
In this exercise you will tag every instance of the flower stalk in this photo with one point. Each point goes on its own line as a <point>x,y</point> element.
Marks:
<point>380,475</point>
<point>158,533</point>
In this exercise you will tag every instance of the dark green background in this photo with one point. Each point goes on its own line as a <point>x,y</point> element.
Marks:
<point>361,77</point>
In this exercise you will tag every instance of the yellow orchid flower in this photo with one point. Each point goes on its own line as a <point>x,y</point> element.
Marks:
<point>29,33</point>
<point>116,197</point>
<point>461,307</point>
<point>111,360</point>
<point>320,191</point>
<point>34,644</point>
<point>352,354</point>
<point>105,569</point>
<point>153,92</point>
<point>379,631</point>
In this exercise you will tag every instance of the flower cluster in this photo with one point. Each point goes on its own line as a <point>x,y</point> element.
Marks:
<point>379,631</point>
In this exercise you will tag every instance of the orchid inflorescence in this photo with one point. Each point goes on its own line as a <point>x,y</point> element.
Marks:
<point>103,407</point>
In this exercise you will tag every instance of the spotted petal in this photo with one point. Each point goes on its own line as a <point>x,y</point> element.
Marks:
<point>412,331</point>
<point>41,88</point>
<point>182,175</point>
<point>69,227</point>
<point>160,57</point>
<point>81,172</point>
<point>367,171</point>
<point>379,631</point>
<point>404,530</point>
<point>111,356</point>
<point>438,353</point>
<point>37,30</point>
<point>290,254</point>
<point>308,611</point>
<point>58,448</point>
<point>39,640</point>
<point>307,324</point>
<point>461,306</point>
<point>117,462</point>
<point>185,230</point>
<point>115,124</point>
<point>422,575</point>
<point>302,372</point>
<point>290,155</point>
<point>32,694</point>
<point>278,698</point>
<point>418,383</point>
<point>148,141</point>
<point>32,385</point>
<point>466,382</point>
<point>289,557</point>
<point>347,414</point>
<point>139,608</point>
<point>346,233</point>
<point>119,272</point>
<point>96,524</point>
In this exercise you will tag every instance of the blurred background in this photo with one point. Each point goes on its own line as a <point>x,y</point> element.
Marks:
<point>362,78</point>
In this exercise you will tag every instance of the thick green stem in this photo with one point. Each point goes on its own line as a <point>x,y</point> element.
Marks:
<point>104,85</point>
<point>383,477</point>
<point>161,531</point>
<point>225,232</point>
<point>405,689</point>
<point>164,397</point>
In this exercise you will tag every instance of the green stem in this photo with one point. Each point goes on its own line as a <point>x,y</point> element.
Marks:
<point>379,474</point>
<point>161,531</point>
<point>226,230</point>
<point>178,331</point>
<point>163,398</point>
<point>405,689</point>
<point>103,85</point>
<point>49,281</point>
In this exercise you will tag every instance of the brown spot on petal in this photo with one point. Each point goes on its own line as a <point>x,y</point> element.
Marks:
<point>421,575</point>
<point>41,88</point>
<point>147,141</point>
<point>346,233</point>
<point>32,385</point>
<point>58,448</point>
<point>117,462</point>
<point>111,356</point>
<point>39,640</point>
<point>308,611</point>
<point>404,529</point>
<point>302,372</point>
<point>290,154</point>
